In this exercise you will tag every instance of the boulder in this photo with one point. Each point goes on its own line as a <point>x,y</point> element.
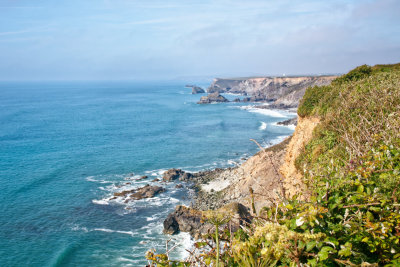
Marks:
<point>195,222</point>
<point>171,226</point>
<point>146,191</point>
<point>174,174</point>
<point>212,98</point>
<point>186,177</point>
<point>186,220</point>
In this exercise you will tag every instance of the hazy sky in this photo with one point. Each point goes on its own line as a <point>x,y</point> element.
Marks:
<point>145,39</point>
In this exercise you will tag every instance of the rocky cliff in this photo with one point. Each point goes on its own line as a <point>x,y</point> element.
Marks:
<point>264,178</point>
<point>258,178</point>
<point>284,91</point>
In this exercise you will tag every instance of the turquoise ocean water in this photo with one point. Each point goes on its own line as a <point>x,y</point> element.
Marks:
<point>65,147</point>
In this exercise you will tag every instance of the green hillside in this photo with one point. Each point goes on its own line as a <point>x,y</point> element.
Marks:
<point>352,169</point>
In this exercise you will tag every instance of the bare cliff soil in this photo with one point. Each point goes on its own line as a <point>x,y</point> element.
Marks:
<point>292,182</point>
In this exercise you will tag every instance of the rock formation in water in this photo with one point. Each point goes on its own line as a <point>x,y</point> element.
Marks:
<point>185,219</point>
<point>174,174</point>
<point>196,89</point>
<point>212,98</point>
<point>146,191</point>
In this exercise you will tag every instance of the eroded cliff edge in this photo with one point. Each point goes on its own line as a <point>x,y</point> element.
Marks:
<point>263,180</point>
<point>269,175</point>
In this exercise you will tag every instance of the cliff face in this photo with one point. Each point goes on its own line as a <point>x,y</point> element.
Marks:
<point>270,174</point>
<point>292,178</point>
<point>283,90</point>
<point>260,173</point>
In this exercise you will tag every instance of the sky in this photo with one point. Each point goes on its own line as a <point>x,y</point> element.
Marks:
<point>167,39</point>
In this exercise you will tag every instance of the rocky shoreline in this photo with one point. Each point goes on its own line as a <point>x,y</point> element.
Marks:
<point>242,191</point>
<point>229,190</point>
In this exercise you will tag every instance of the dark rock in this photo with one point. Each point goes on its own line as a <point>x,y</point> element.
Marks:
<point>178,186</point>
<point>236,100</point>
<point>146,191</point>
<point>156,180</point>
<point>174,174</point>
<point>186,177</point>
<point>171,226</point>
<point>186,220</point>
<point>195,222</point>
<point>123,193</point>
<point>212,98</point>
<point>281,106</point>
<point>143,177</point>
<point>195,89</point>
<point>292,121</point>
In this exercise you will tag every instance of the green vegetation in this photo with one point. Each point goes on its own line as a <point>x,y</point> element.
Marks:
<point>352,169</point>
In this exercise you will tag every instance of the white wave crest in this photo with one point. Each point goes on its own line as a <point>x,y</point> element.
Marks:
<point>100,202</point>
<point>79,228</point>
<point>263,126</point>
<point>267,112</point>
<point>92,179</point>
<point>114,231</point>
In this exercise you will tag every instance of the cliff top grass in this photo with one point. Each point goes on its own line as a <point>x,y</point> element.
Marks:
<point>352,167</point>
<point>319,99</point>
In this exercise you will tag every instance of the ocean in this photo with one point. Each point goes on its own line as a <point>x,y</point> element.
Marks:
<point>66,147</point>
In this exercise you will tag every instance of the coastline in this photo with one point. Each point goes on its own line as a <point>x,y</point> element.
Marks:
<point>218,188</point>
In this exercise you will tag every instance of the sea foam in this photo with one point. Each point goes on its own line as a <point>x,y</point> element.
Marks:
<point>263,126</point>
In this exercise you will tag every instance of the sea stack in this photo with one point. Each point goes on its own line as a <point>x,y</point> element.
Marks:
<point>212,98</point>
